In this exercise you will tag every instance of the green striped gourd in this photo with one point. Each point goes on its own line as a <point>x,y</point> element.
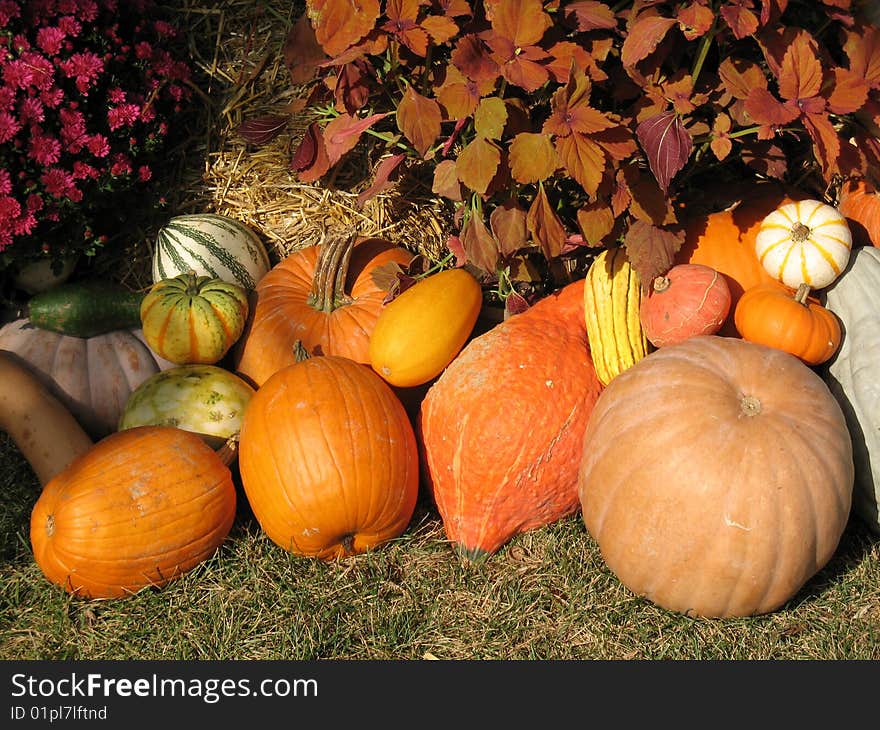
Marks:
<point>210,245</point>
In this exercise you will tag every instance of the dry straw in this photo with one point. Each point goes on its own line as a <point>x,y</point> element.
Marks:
<point>236,46</point>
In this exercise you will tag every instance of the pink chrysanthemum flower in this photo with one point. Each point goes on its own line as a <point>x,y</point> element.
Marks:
<point>49,40</point>
<point>84,67</point>
<point>31,110</point>
<point>144,173</point>
<point>5,182</point>
<point>123,115</point>
<point>8,11</point>
<point>59,183</point>
<point>44,148</point>
<point>9,127</point>
<point>98,145</point>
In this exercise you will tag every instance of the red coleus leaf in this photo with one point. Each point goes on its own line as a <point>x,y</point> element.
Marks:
<point>826,142</point>
<point>544,225</point>
<point>402,16</point>
<point>765,108</point>
<point>764,157</point>
<point>523,22</point>
<point>591,15</point>
<point>508,225</point>
<point>596,220</point>
<point>456,248</point>
<point>477,164</point>
<point>532,157</point>
<point>515,303</point>
<point>695,20</point>
<point>339,24</point>
<point>454,8</point>
<point>419,117</point>
<point>643,38</point>
<point>651,250</point>
<point>473,58</point>
<point>739,18</point>
<point>863,49</point>
<point>740,76</point>
<point>352,86</point>
<point>583,159</point>
<point>343,133</point>
<point>800,76</point>
<point>381,179</point>
<point>386,276</point>
<point>849,93</point>
<point>480,246</point>
<point>310,160</point>
<point>301,51</point>
<point>446,182</point>
<point>260,130</point>
<point>668,146</point>
<point>440,28</point>
<point>647,201</point>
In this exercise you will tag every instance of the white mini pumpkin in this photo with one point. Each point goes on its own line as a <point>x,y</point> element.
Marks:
<point>804,242</point>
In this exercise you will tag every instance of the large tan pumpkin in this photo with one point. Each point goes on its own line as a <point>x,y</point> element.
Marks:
<point>717,476</point>
<point>93,377</point>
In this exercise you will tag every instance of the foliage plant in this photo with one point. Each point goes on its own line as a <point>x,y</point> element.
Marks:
<point>554,127</point>
<point>88,92</point>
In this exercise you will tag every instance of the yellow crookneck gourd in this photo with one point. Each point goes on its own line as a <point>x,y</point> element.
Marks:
<point>612,297</point>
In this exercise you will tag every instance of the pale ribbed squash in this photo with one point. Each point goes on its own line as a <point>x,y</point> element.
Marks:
<point>612,298</point>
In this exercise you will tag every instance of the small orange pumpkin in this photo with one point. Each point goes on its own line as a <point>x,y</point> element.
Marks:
<point>323,297</point>
<point>328,458</point>
<point>771,314</point>
<point>142,507</point>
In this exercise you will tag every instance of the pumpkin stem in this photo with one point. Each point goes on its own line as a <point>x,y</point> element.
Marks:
<point>750,406</point>
<point>803,291</point>
<point>300,352</point>
<point>661,283</point>
<point>800,232</point>
<point>348,544</point>
<point>331,271</point>
<point>229,450</point>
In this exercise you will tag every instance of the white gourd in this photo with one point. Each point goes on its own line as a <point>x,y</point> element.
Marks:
<point>853,374</point>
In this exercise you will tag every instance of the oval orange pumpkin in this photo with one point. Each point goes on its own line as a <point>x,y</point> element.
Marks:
<point>501,427</point>
<point>421,330</point>
<point>328,459</point>
<point>140,508</point>
<point>717,476</point>
<point>772,315</point>
<point>322,296</point>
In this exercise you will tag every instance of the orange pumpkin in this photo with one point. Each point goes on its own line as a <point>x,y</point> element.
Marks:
<point>796,323</point>
<point>860,205</point>
<point>725,241</point>
<point>322,296</point>
<point>328,458</point>
<point>501,427</point>
<point>140,508</point>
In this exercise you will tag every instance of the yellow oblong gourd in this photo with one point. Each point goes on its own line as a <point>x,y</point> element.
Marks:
<point>419,332</point>
<point>612,297</point>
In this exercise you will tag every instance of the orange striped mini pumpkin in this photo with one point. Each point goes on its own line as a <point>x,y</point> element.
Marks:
<point>804,242</point>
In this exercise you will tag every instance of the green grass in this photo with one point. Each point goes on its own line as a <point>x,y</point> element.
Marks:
<point>546,595</point>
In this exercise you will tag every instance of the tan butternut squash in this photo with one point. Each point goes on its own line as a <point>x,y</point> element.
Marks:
<point>45,432</point>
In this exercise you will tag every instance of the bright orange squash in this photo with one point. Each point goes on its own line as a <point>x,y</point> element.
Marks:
<point>328,459</point>
<point>859,203</point>
<point>140,508</point>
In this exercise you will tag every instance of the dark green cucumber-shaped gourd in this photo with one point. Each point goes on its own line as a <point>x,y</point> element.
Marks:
<point>86,308</point>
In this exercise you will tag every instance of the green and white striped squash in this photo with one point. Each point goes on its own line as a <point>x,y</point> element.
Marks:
<point>853,374</point>
<point>211,245</point>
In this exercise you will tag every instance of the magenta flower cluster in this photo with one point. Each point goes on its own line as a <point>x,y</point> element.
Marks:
<point>88,89</point>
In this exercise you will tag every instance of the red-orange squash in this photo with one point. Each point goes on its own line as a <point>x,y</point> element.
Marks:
<point>328,459</point>
<point>859,203</point>
<point>794,322</point>
<point>501,428</point>
<point>688,300</point>
<point>717,476</point>
<point>140,508</point>
<point>725,241</point>
<point>322,296</point>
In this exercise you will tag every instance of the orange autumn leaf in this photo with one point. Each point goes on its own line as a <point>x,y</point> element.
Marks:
<point>643,38</point>
<point>508,224</point>
<point>418,118</point>
<point>583,159</point>
<point>523,22</point>
<point>544,225</point>
<point>532,157</point>
<point>477,164</point>
<point>800,76</point>
<point>339,24</point>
